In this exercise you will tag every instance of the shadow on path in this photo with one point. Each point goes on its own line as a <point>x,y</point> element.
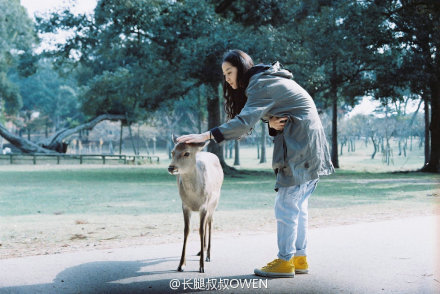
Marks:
<point>138,277</point>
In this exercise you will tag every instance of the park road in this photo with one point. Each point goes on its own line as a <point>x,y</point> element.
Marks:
<point>393,256</point>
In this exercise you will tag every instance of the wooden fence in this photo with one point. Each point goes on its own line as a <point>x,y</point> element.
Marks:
<point>37,158</point>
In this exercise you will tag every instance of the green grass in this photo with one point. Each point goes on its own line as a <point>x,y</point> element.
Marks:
<point>352,188</point>
<point>150,189</point>
<point>86,190</point>
<point>53,208</point>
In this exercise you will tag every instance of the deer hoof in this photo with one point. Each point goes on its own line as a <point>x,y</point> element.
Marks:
<point>200,252</point>
<point>202,270</point>
<point>180,268</point>
<point>208,259</point>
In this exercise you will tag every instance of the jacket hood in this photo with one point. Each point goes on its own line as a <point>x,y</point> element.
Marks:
<point>277,69</point>
<point>259,68</point>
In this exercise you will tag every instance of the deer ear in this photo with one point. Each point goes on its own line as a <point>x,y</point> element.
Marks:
<point>199,146</point>
<point>174,138</point>
<point>203,145</point>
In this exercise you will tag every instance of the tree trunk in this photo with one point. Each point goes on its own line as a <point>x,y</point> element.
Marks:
<point>335,158</point>
<point>199,113</point>
<point>132,140</point>
<point>237,152</point>
<point>120,139</point>
<point>24,145</point>
<point>63,134</point>
<point>46,129</point>
<point>405,146</point>
<point>434,156</point>
<point>375,148</point>
<point>147,145</point>
<point>427,143</point>
<point>131,134</point>
<point>263,143</point>
<point>54,144</point>
<point>170,145</point>
<point>258,149</point>
<point>138,141</point>
<point>229,148</point>
<point>388,153</point>
<point>213,107</point>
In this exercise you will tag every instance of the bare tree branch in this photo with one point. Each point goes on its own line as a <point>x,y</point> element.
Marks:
<point>63,134</point>
<point>53,144</point>
<point>23,144</point>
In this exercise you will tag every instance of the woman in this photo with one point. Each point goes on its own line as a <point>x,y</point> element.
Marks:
<point>300,153</point>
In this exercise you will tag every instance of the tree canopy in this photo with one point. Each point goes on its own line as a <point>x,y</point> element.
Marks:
<point>17,37</point>
<point>130,58</point>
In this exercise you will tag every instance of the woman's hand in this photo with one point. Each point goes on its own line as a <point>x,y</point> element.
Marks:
<point>194,138</point>
<point>277,123</point>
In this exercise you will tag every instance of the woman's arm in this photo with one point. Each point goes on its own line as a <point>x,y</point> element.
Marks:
<point>195,138</point>
<point>276,123</point>
<point>259,102</point>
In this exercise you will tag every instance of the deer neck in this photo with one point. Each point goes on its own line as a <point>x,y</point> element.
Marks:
<point>189,179</point>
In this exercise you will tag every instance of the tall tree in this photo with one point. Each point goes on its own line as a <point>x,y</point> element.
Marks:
<point>203,37</point>
<point>322,42</point>
<point>116,57</point>
<point>124,57</point>
<point>17,36</point>
<point>54,98</point>
<point>414,30</point>
<point>336,36</point>
<point>263,142</point>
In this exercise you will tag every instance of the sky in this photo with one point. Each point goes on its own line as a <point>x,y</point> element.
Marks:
<point>42,6</point>
<point>367,105</point>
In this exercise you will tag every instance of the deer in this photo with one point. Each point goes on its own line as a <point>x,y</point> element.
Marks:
<point>199,179</point>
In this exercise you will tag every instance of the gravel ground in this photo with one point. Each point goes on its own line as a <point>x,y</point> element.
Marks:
<point>51,234</point>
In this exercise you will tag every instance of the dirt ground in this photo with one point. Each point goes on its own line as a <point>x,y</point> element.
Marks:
<point>52,234</point>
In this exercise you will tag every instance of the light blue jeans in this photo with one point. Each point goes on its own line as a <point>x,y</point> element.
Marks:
<point>291,212</point>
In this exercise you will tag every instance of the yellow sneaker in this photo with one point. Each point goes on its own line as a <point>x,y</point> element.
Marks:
<point>278,268</point>
<point>301,265</point>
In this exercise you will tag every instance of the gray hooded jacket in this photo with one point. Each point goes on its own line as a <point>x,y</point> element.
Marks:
<point>301,152</point>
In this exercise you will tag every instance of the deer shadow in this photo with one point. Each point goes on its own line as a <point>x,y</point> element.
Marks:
<point>103,277</point>
<point>142,276</point>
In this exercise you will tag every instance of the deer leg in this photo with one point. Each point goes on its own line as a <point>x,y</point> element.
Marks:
<point>206,234</point>
<point>206,238</point>
<point>187,218</point>
<point>208,253</point>
<point>202,240</point>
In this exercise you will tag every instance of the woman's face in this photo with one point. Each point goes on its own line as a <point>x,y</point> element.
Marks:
<point>230,73</point>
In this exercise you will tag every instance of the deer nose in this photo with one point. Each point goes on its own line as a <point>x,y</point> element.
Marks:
<point>171,168</point>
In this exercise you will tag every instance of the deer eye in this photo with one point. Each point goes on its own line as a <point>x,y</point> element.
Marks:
<point>186,154</point>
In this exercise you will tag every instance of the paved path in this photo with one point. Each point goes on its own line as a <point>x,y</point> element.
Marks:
<point>396,256</point>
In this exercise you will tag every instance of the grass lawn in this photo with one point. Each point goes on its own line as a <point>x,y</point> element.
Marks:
<point>151,190</point>
<point>50,208</point>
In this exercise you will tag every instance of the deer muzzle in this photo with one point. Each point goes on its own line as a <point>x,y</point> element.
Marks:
<point>172,170</point>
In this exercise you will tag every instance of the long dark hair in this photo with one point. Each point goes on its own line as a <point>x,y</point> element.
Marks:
<point>236,99</point>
